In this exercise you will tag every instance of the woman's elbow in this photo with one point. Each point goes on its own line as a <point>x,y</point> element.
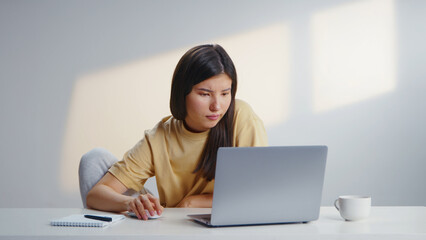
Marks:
<point>89,199</point>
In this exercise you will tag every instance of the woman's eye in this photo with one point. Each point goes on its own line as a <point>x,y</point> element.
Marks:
<point>204,94</point>
<point>225,94</point>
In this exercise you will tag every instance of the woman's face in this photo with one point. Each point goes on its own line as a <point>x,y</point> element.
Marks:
<point>207,103</point>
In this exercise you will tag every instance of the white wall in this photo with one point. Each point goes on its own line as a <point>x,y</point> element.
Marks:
<point>348,74</point>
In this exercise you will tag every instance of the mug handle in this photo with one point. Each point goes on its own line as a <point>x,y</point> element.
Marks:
<point>336,204</point>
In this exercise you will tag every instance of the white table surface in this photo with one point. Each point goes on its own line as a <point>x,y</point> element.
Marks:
<point>383,223</point>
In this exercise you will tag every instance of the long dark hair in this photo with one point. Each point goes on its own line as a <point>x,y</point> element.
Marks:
<point>196,65</point>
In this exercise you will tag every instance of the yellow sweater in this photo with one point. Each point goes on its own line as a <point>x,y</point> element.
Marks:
<point>171,153</point>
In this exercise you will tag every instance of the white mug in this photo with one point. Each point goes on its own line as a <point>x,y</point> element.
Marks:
<point>353,207</point>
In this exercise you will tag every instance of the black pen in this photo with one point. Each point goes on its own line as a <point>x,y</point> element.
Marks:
<point>101,218</point>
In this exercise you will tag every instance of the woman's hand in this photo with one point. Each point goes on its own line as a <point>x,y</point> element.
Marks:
<point>145,201</point>
<point>197,201</point>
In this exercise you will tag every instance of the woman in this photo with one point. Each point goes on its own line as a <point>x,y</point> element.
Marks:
<point>181,149</point>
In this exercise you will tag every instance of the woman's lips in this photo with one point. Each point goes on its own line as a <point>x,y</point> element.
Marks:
<point>213,117</point>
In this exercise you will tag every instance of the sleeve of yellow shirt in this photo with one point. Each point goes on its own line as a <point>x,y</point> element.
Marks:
<point>136,166</point>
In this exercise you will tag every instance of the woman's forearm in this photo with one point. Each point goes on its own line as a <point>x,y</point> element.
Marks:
<point>104,198</point>
<point>197,201</point>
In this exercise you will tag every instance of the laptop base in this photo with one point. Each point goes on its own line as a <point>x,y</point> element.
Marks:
<point>204,219</point>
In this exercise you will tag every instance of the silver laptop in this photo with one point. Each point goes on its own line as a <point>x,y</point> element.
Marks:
<point>266,185</point>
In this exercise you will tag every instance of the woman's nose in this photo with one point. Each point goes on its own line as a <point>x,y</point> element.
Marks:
<point>215,105</point>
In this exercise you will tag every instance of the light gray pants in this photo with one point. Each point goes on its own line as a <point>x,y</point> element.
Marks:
<point>93,166</point>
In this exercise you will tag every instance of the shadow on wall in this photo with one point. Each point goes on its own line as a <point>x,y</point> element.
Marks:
<point>352,59</point>
<point>113,107</point>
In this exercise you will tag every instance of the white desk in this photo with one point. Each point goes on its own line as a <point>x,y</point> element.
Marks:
<point>383,223</point>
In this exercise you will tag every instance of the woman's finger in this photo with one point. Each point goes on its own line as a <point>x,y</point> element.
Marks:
<point>133,208</point>
<point>147,204</point>
<point>156,203</point>
<point>140,207</point>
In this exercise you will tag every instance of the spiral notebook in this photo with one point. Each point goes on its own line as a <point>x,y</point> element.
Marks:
<point>78,220</point>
